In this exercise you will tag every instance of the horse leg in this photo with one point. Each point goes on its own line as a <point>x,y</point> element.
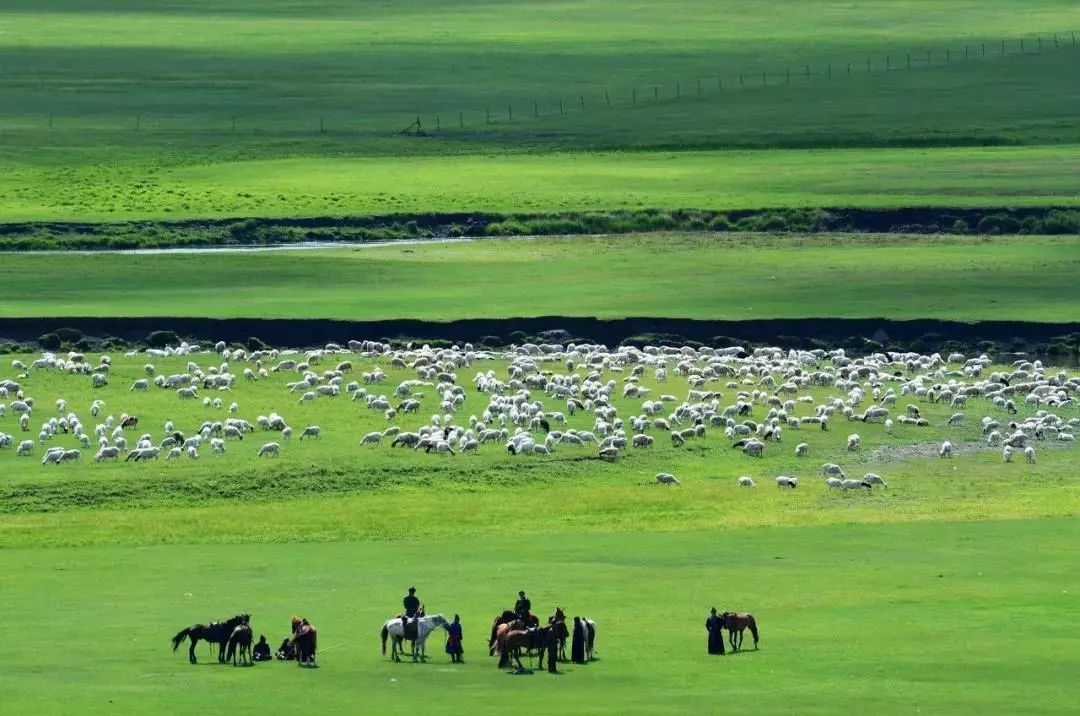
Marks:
<point>191,649</point>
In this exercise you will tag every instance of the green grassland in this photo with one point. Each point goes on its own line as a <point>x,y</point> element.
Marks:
<point>684,276</point>
<point>125,110</point>
<point>942,593</point>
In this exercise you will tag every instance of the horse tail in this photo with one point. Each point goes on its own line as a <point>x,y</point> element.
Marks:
<point>179,638</point>
<point>231,652</point>
<point>753,630</point>
<point>385,633</point>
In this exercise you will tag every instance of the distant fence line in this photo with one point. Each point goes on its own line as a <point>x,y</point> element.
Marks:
<point>703,84</point>
<point>512,111</point>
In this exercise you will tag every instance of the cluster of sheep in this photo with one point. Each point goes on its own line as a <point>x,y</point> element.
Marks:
<point>526,409</point>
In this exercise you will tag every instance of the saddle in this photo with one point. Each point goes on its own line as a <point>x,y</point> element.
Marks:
<point>409,628</point>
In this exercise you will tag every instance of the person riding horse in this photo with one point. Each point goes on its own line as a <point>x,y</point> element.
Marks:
<point>523,607</point>
<point>411,602</point>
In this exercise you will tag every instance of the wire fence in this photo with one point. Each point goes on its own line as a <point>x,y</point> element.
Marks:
<point>517,108</point>
<point>705,85</point>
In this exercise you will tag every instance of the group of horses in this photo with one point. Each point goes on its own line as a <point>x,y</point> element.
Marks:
<point>233,638</point>
<point>512,633</point>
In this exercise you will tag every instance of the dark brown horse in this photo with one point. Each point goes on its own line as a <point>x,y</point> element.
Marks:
<point>304,640</point>
<point>514,637</point>
<point>240,644</point>
<point>215,633</point>
<point>504,619</point>
<point>736,623</point>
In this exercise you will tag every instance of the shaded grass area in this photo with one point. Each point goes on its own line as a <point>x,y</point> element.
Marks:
<point>689,276</point>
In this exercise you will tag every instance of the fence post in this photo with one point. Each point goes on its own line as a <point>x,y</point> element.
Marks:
<point>582,97</point>
<point>888,62</point>
<point>461,120</point>
<point>948,54</point>
<point>763,77</point>
<point>635,95</point>
<point>849,69</point>
<point>562,110</point>
<point>536,108</point>
<point>1003,48</point>
<point>867,64</point>
<point>984,49</point>
<point>787,75</point>
<point>741,79</point>
<point>1039,39</point>
<point>607,99</point>
<point>1021,45</point>
<point>656,93</point>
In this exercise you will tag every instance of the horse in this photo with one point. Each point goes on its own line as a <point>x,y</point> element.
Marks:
<point>415,630</point>
<point>590,638</point>
<point>736,623</point>
<point>215,633</point>
<point>304,641</point>
<point>514,637</point>
<point>241,637</point>
<point>507,617</point>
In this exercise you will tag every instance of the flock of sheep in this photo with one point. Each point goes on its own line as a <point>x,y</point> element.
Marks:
<point>524,408</point>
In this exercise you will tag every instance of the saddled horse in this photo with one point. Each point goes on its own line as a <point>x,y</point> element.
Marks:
<point>304,641</point>
<point>503,620</point>
<point>240,644</point>
<point>736,623</point>
<point>416,631</point>
<point>514,637</point>
<point>215,633</point>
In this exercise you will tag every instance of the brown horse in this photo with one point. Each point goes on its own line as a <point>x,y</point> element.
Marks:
<point>303,641</point>
<point>507,617</point>
<point>736,623</point>
<point>514,637</point>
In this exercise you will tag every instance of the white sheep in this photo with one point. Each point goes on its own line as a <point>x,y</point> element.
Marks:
<point>642,441</point>
<point>26,447</point>
<point>830,469</point>
<point>269,449</point>
<point>787,481</point>
<point>174,454</point>
<point>107,452</point>
<point>193,452</point>
<point>1029,453</point>
<point>141,384</point>
<point>666,478</point>
<point>834,483</point>
<point>802,449</point>
<point>745,481</point>
<point>853,442</point>
<point>946,449</point>
<point>372,438</point>
<point>1006,454</point>
<point>875,479</point>
<point>311,431</point>
<point>286,432</point>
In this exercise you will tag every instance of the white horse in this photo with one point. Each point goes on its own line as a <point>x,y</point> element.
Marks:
<point>395,628</point>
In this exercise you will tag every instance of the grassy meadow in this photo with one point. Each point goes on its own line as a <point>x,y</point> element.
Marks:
<point>122,110</point>
<point>1026,278</point>
<point>936,594</point>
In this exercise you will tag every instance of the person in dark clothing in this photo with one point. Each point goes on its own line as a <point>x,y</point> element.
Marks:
<point>261,652</point>
<point>286,652</point>
<point>523,607</point>
<point>577,642</point>
<point>453,641</point>
<point>715,626</point>
<point>551,644</point>
<point>411,603</point>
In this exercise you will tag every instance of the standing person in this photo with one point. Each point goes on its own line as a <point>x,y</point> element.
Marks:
<point>551,644</point>
<point>577,642</point>
<point>453,641</point>
<point>523,607</point>
<point>411,602</point>
<point>715,626</point>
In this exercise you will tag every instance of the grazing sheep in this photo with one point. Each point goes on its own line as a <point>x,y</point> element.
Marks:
<point>231,431</point>
<point>802,450</point>
<point>610,454</point>
<point>853,442</point>
<point>311,431</point>
<point>269,449</point>
<point>834,483</point>
<point>745,481</point>
<point>946,449</point>
<point>1029,453</point>
<point>217,446</point>
<point>26,447</point>
<point>193,452</point>
<point>286,433</point>
<point>830,469</point>
<point>889,426</point>
<point>787,481</point>
<point>754,448</point>
<point>374,438</point>
<point>875,479</point>
<point>677,440</point>
<point>141,384</point>
<point>107,453</point>
<point>174,454</point>
<point>956,418</point>
<point>1007,454</point>
<point>642,441</point>
<point>855,485</point>
<point>666,478</point>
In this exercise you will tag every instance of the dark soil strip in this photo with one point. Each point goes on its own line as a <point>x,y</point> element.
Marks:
<point>859,335</point>
<point>44,236</point>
